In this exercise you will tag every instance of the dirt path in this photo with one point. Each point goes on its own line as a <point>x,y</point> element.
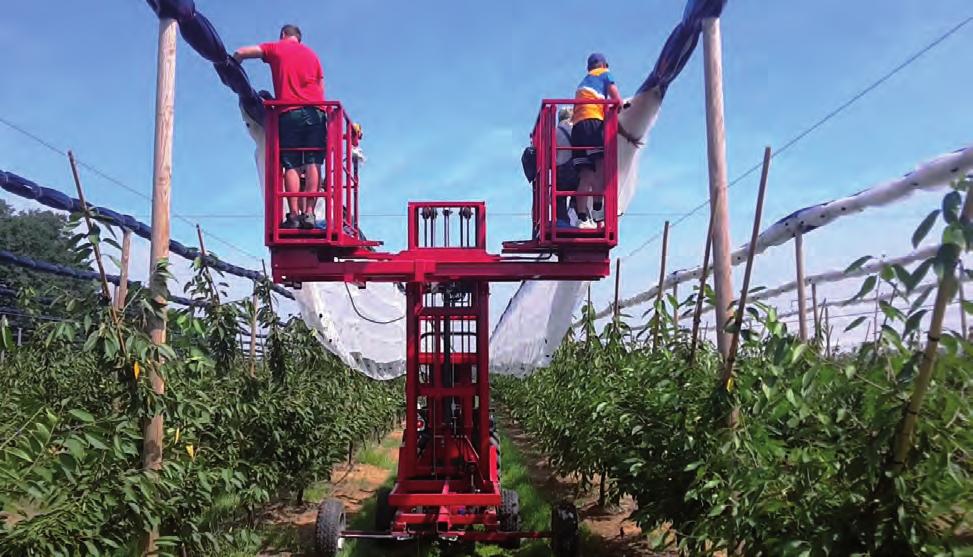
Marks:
<point>615,534</point>
<point>290,528</point>
<point>353,485</point>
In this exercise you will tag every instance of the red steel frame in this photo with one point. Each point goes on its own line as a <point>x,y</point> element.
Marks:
<point>447,478</point>
<point>548,236</point>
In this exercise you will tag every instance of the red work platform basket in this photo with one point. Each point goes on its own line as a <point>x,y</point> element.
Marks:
<point>548,235</point>
<point>339,182</point>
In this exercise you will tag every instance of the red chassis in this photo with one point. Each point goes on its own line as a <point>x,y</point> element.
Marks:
<point>448,483</point>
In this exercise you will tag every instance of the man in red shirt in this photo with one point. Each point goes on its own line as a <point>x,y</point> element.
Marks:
<point>298,78</point>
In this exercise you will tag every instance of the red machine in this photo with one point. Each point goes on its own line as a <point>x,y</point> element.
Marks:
<point>448,480</point>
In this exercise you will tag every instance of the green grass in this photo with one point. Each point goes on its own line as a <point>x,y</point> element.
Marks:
<point>535,514</point>
<point>377,456</point>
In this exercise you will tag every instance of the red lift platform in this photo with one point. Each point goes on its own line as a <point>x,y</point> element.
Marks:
<point>448,483</point>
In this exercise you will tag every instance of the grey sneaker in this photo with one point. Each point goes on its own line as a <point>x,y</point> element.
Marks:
<point>290,222</point>
<point>306,222</point>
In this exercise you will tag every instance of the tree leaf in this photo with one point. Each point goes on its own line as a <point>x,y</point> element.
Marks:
<point>913,322</point>
<point>857,264</point>
<point>951,205</point>
<point>867,287</point>
<point>82,415</point>
<point>924,227</point>
<point>856,323</point>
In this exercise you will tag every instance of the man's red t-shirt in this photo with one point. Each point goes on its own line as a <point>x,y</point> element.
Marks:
<point>296,71</point>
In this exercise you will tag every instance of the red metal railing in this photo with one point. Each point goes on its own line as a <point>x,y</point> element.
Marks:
<point>339,177</point>
<point>447,224</point>
<point>547,233</point>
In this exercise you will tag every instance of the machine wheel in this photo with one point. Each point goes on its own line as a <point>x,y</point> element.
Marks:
<point>327,532</point>
<point>383,512</point>
<point>509,516</point>
<point>565,540</point>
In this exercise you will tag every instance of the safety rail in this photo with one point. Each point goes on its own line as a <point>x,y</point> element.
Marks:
<point>338,188</point>
<point>548,234</point>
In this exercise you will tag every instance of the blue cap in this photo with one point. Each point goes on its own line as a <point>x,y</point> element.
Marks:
<point>596,59</point>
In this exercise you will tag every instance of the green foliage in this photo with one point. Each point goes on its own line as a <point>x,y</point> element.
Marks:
<point>75,398</point>
<point>43,235</point>
<point>805,470</point>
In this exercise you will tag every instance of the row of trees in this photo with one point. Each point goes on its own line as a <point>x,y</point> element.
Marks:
<point>799,452</point>
<point>76,397</point>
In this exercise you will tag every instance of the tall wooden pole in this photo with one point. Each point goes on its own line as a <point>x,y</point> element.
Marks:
<point>751,249</point>
<point>161,182</point>
<point>658,295</point>
<point>801,287</point>
<point>122,291</point>
<point>719,203</point>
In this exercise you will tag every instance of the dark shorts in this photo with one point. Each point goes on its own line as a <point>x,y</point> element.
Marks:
<point>302,128</point>
<point>589,134</point>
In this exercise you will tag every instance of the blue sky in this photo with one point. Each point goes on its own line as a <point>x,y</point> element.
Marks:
<point>447,91</point>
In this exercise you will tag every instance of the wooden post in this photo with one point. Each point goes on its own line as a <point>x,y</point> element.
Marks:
<point>697,313</point>
<point>96,248</point>
<point>253,334</point>
<point>161,182</point>
<point>904,437</point>
<point>801,286</point>
<point>122,291</point>
<point>814,311</point>
<point>618,274</point>
<point>751,249</point>
<point>657,315</point>
<point>719,203</point>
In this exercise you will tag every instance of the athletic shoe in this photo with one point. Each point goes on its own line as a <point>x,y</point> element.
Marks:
<point>587,224</point>
<point>306,222</point>
<point>290,222</point>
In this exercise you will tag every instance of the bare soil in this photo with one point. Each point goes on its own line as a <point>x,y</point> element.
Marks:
<point>353,485</point>
<point>616,533</point>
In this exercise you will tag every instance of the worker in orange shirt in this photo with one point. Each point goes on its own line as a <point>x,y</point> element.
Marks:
<point>588,131</point>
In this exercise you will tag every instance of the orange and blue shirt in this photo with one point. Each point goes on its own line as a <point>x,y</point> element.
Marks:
<point>594,86</point>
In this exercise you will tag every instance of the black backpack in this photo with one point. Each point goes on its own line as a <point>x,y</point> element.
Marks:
<point>529,162</point>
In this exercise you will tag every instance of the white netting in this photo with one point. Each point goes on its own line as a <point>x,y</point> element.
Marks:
<point>932,174</point>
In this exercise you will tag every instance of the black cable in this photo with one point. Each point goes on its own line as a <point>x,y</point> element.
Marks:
<point>119,183</point>
<point>818,124</point>
<point>369,319</point>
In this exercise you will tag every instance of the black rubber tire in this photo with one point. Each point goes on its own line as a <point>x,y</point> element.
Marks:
<point>565,538</point>
<point>383,512</point>
<point>327,531</point>
<point>509,516</point>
